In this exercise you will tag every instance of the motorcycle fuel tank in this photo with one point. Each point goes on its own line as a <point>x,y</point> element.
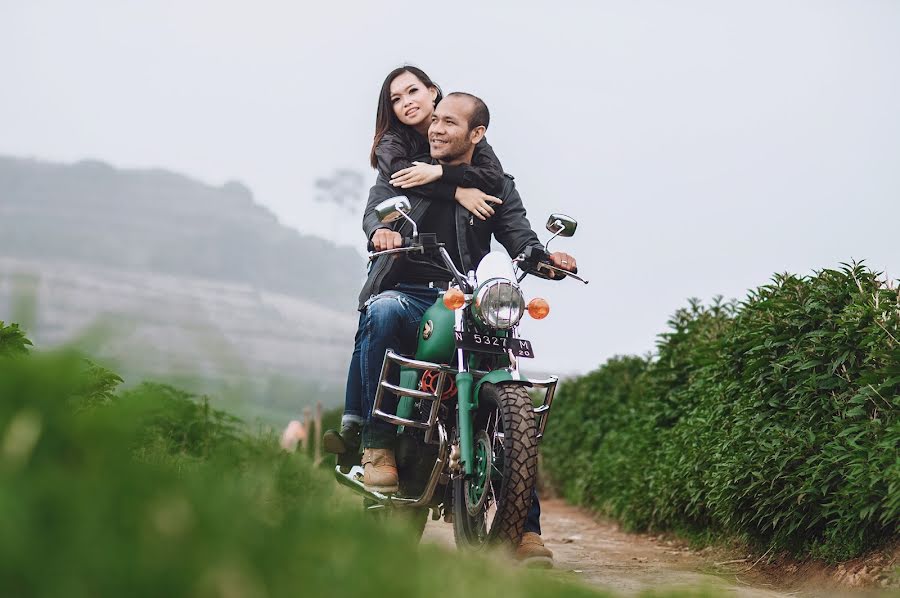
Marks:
<point>436,340</point>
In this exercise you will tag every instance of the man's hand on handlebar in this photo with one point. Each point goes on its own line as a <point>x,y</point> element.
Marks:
<point>563,261</point>
<point>385,238</point>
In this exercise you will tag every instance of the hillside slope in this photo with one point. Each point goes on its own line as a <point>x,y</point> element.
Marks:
<point>172,279</point>
<point>160,221</point>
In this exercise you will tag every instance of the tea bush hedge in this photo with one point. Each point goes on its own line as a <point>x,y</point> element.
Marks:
<point>775,420</point>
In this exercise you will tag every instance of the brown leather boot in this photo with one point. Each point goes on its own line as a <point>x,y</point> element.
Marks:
<point>533,553</point>
<point>380,471</point>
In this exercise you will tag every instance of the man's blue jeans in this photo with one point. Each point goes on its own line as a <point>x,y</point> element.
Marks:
<point>391,320</point>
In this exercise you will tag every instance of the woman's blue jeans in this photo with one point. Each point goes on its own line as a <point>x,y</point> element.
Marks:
<point>391,320</point>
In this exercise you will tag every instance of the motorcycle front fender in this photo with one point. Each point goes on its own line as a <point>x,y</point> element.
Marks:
<point>468,403</point>
<point>497,377</point>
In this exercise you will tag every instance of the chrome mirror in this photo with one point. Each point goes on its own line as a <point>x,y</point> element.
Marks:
<point>393,208</point>
<point>561,225</point>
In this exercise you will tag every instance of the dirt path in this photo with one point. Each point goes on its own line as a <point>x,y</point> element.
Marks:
<point>601,554</point>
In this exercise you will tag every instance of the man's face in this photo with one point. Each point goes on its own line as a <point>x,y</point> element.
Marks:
<point>449,134</point>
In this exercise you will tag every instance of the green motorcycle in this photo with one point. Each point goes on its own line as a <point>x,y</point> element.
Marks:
<point>467,427</point>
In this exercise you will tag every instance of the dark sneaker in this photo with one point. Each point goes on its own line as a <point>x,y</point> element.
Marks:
<point>345,441</point>
<point>344,444</point>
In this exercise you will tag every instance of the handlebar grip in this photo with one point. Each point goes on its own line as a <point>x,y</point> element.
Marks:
<point>405,242</point>
<point>549,263</point>
<point>573,271</point>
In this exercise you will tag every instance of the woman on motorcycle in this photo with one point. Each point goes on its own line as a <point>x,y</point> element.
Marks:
<point>400,152</point>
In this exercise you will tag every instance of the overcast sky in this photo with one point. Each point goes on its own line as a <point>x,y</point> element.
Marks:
<point>701,145</point>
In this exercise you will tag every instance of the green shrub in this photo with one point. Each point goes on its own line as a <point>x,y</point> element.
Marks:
<point>776,420</point>
<point>12,340</point>
<point>152,492</point>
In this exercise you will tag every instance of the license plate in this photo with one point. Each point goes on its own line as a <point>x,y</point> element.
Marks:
<point>487,343</point>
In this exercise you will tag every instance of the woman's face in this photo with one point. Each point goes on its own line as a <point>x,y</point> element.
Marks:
<point>413,103</point>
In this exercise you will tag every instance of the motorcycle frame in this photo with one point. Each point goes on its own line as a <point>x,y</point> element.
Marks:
<point>467,400</point>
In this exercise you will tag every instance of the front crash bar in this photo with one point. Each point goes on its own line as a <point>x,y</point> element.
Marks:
<point>353,480</point>
<point>542,413</point>
<point>383,385</point>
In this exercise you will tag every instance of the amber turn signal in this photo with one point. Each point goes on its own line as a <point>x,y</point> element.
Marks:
<point>538,308</point>
<point>454,299</point>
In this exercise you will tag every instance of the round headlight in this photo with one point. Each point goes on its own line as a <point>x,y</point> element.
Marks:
<point>499,303</point>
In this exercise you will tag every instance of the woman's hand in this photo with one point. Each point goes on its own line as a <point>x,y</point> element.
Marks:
<point>476,201</point>
<point>419,174</point>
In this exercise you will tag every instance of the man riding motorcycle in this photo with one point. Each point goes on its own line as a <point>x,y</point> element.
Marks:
<point>397,291</point>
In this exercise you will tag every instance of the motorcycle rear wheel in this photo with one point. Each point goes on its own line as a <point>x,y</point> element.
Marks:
<point>506,415</point>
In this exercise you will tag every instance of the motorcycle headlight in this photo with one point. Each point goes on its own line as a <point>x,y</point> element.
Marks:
<point>499,304</point>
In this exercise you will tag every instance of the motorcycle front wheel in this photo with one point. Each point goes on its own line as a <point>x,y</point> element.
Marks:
<point>490,507</point>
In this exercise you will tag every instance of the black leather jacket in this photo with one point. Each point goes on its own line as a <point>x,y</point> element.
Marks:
<point>398,149</point>
<point>509,225</point>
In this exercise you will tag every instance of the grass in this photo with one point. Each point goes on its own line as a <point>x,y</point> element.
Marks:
<point>152,492</point>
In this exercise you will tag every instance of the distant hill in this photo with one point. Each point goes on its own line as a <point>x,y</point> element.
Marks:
<point>170,279</point>
<point>164,222</point>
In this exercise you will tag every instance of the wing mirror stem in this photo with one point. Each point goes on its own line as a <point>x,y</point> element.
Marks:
<point>394,208</point>
<point>415,231</point>
<point>557,225</point>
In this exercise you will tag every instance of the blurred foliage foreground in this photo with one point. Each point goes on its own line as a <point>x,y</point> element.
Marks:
<point>151,492</point>
<point>775,421</point>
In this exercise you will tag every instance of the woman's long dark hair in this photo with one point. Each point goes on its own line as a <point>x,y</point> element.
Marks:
<point>385,119</point>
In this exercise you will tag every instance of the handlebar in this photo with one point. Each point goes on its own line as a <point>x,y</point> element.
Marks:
<point>406,242</point>
<point>533,260</point>
<point>536,261</point>
<point>426,243</point>
<point>565,273</point>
